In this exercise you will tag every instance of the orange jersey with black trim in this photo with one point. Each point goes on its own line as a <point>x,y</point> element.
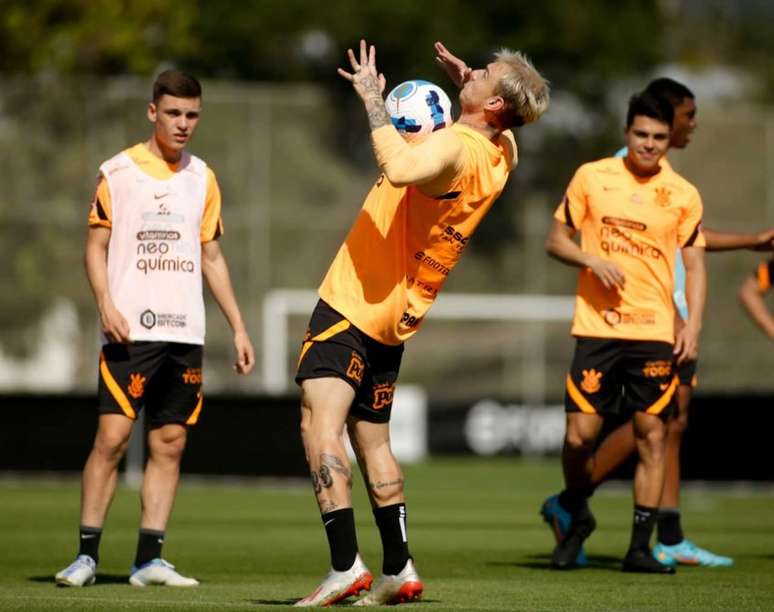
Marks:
<point>404,244</point>
<point>638,223</point>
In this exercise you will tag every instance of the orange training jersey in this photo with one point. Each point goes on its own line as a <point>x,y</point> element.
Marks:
<point>638,223</point>
<point>404,244</point>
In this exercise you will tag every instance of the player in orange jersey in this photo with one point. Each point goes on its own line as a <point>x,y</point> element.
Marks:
<point>672,547</point>
<point>412,230</point>
<point>153,236</point>
<point>751,295</point>
<point>632,213</point>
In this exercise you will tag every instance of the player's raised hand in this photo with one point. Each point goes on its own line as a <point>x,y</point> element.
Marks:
<point>365,78</point>
<point>457,69</point>
<point>244,352</point>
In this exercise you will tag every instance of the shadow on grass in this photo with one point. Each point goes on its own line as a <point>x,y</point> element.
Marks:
<point>102,579</point>
<point>345,603</point>
<point>543,562</point>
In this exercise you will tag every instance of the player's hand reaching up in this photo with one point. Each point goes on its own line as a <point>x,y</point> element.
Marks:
<point>366,80</point>
<point>457,69</point>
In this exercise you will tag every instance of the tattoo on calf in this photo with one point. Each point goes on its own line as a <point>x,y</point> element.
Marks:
<point>381,485</point>
<point>326,479</point>
<point>316,483</point>
<point>327,505</point>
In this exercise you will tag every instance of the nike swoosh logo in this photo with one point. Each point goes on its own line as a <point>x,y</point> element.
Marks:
<point>88,536</point>
<point>158,197</point>
<point>328,522</point>
<point>664,387</point>
<point>609,188</point>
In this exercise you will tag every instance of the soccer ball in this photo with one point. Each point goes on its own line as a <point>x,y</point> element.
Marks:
<point>417,108</point>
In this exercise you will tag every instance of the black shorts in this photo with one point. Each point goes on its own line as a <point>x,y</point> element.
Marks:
<point>333,347</point>
<point>165,378</point>
<point>606,374</point>
<point>686,372</point>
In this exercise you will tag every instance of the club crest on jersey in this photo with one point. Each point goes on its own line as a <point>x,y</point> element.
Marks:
<point>590,382</point>
<point>136,386</point>
<point>663,196</point>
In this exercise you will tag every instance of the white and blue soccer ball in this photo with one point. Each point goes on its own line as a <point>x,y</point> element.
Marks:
<point>418,108</point>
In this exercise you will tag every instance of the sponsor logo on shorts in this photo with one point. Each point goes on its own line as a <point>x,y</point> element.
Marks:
<point>591,381</point>
<point>192,376</point>
<point>356,367</point>
<point>423,286</point>
<point>383,394</point>
<point>662,197</point>
<point>657,369</point>
<point>136,386</point>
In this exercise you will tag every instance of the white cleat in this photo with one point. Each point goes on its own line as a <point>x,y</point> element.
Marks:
<point>161,573</point>
<point>339,585</point>
<point>81,572</point>
<point>391,590</point>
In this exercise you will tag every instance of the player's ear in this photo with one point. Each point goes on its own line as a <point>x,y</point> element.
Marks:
<point>152,112</point>
<point>495,104</point>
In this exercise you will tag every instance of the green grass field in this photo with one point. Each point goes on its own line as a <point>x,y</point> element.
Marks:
<point>474,531</point>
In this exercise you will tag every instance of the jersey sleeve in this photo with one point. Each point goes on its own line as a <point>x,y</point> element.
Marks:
<point>763,275</point>
<point>212,223</point>
<point>689,231</point>
<point>572,209</point>
<point>100,212</point>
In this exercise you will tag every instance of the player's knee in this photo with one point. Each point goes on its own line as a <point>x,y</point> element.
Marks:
<point>575,442</point>
<point>110,445</point>
<point>167,447</point>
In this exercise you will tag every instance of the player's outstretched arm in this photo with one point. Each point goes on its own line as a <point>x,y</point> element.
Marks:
<point>560,245</point>
<point>751,296</point>
<point>729,241</point>
<point>436,160</point>
<point>114,325</point>
<point>457,70</point>
<point>687,338</point>
<point>215,272</point>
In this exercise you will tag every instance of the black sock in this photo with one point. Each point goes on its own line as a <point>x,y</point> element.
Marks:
<point>342,539</point>
<point>642,527</point>
<point>89,541</point>
<point>148,546</point>
<point>391,521</point>
<point>670,531</point>
<point>575,501</point>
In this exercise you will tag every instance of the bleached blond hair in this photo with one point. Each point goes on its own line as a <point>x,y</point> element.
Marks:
<point>524,89</point>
